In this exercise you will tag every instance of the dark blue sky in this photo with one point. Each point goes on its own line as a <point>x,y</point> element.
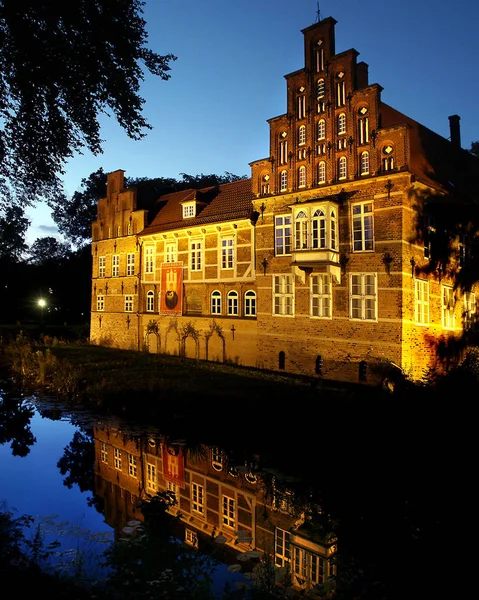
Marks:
<point>210,117</point>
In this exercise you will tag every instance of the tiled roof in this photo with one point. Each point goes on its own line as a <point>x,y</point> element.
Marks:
<point>226,202</point>
<point>433,159</point>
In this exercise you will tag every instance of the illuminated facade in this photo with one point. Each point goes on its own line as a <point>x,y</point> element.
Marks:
<point>311,266</point>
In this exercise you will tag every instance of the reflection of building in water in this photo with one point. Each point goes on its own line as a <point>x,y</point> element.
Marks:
<point>248,510</point>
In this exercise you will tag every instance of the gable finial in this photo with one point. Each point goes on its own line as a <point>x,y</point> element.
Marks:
<point>318,13</point>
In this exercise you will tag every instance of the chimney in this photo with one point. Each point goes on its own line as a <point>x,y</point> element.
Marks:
<point>455,130</point>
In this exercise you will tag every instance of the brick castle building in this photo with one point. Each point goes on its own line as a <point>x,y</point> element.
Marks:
<point>315,264</point>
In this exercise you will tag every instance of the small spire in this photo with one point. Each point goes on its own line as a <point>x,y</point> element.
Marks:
<point>318,13</point>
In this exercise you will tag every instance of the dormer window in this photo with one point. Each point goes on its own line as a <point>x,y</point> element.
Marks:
<point>189,210</point>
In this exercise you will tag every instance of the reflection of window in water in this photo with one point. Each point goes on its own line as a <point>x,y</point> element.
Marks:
<point>282,500</point>
<point>173,488</point>
<point>191,538</point>
<point>132,465</point>
<point>151,476</point>
<point>197,495</point>
<point>282,547</point>
<point>173,469</point>
<point>117,455</point>
<point>217,458</point>
<point>104,452</point>
<point>309,568</point>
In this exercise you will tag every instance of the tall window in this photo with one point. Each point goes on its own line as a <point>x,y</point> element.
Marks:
<point>321,129</point>
<point>150,301</point>
<point>197,498</point>
<point>315,228</point>
<point>128,303</point>
<point>227,253</point>
<point>132,465</point>
<point>102,266</point>
<point>250,304</point>
<point>100,302</point>
<point>283,181</point>
<point>282,232</point>
<point>364,163</point>
<point>217,458</point>
<point>130,263</point>
<point>282,547</point>
<point>283,295</point>
<point>232,303</point>
<point>363,130</point>
<point>151,483</point>
<point>149,257</point>
<point>421,301</point>
<point>115,268</point>
<point>283,152</point>
<point>301,230</point>
<point>117,458</point>
<point>363,235</point>
<point>171,252</point>
<point>302,176</point>
<point>340,93</point>
<point>229,512</point>
<point>341,124</point>
<point>448,320</point>
<point>363,296</point>
<point>388,158</point>
<point>104,453</point>
<point>321,296</point>
<point>301,106</point>
<point>342,168</point>
<point>302,135</point>
<point>196,255</point>
<point>320,89</point>
<point>216,303</point>
<point>319,58</point>
<point>322,172</point>
<point>469,310</point>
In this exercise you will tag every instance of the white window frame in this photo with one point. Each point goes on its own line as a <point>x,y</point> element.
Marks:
<point>151,481</point>
<point>342,124</point>
<point>250,303</point>
<point>104,452</point>
<point>217,458</point>
<point>198,498</point>
<point>283,295</point>
<point>302,176</point>
<point>115,265</point>
<point>283,234</point>
<point>362,217</point>
<point>321,296</point>
<point>283,181</point>
<point>191,538</point>
<point>363,130</point>
<point>129,303</point>
<point>189,211</point>
<point>173,488</point>
<point>322,172</point>
<point>228,512</point>
<point>215,302</point>
<point>132,465</point>
<point>321,130</point>
<point>102,266</point>
<point>150,301</point>
<point>302,135</point>
<point>100,302</point>
<point>130,263</point>
<point>363,297</point>
<point>364,163</point>
<point>232,301</point>
<point>421,301</point>
<point>320,89</point>
<point>448,303</point>
<point>227,253</point>
<point>282,547</point>
<point>340,93</point>
<point>196,255</point>
<point>342,167</point>
<point>171,252</point>
<point>283,152</point>
<point>149,259</point>
<point>117,458</point>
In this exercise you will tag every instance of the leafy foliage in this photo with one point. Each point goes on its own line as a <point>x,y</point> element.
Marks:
<point>13,227</point>
<point>62,65</point>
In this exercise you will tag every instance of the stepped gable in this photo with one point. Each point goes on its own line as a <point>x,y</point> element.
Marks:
<point>226,202</point>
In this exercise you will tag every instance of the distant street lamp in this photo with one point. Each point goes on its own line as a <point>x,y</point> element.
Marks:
<point>41,303</point>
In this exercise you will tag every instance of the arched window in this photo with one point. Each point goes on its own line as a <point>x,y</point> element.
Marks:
<point>321,129</point>
<point>302,176</point>
<point>233,303</point>
<point>216,303</point>
<point>118,231</point>
<point>342,168</point>
<point>283,181</point>
<point>363,130</point>
<point>341,124</point>
<point>333,229</point>
<point>388,158</point>
<point>318,226</point>
<point>150,301</point>
<point>302,135</point>
<point>320,88</point>
<point>364,163</point>
<point>301,230</point>
<point>250,304</point>
<point>322,172</point>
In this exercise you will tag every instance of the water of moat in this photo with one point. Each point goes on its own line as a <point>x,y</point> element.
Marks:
<point>392,477</point>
